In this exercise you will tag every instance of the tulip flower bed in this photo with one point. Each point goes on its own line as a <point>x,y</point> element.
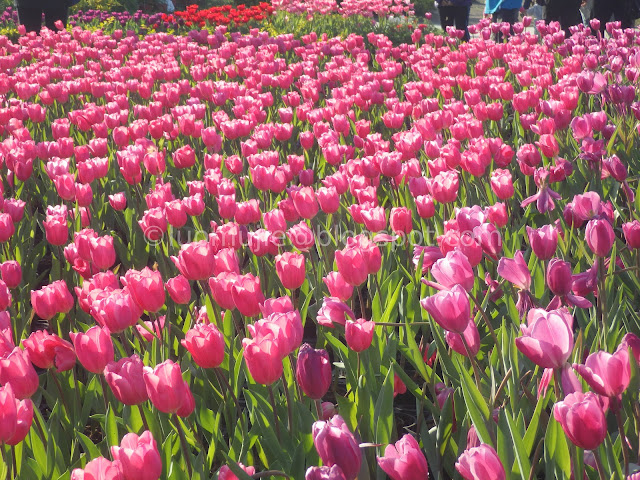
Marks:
<point>252,256</point>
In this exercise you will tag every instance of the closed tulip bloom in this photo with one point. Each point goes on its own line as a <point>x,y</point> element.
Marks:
<point>490,239</point>
<point>221,286</point>
<point>48,350</point>
<point>167,390</point>
<point>146,287</point>
<point>400,221</point>
<point>547,339</point>
<point>582,419</point>
<point>263,242</point>
<point>449,308</point>
<point>184,157</point>
<point>103,254</point>
<point>471,336</point>
<point>502,184</point>
<point>263,358</point>
<point>324,473</point>
<point>375,219</point>
<point>126,380</point>
<point>607,374</point>
<point>179,289</point>
<point>333,311</point>
<point>313,371</point>
<point>359,334</point>
<point>444,186</point>
<point>454,269</point>
<point>290,267</point>
<point>328,199</point>
<point>291,330</point>
<point>631,232</point>
<point>55,228</point>
<point>7,229</point>
<point>559,278</point>
<point>99,469</point>
<point>276,305</point>
<point>118,201</point>
<point>337,285</point>
<point>336,445</point>
<point>247,295</point>
<point>52,299</point>
<point>93,348</point>
<point>196,260</point>
<point>24,419</point>
<point>301,237</point>
<point>205,343</point>
<point>543,240</point>
<point>352,266</point>
<point>8,414</point>
<point>600,236</point>
<point>5,296</point>
<point>480,463</point>
<point>16,369</point>
<point>11,273</point>
<point>404,460</point>
<point>176,213</point>
<point>305,203</point>
<point>247,212</point>
<point>138,456</point>
<point>515,270</point>
<point>225,472</point>
<point>116,310</point>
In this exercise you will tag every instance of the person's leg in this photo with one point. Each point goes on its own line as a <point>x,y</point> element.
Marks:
<point>54,13</point>
<point>462,21</point>
<point>446,17</point>
<point>602,10</point>
<point>622,13</point>
<point>30,17</point>
<point>510,15</point>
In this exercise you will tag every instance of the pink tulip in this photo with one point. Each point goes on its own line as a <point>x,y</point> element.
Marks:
<point>337,286</point>
<point>359,334</point>
<point>324,473</point>
<point>333,311</point>
<point>471,336</point>
<point>336,445</point>
<point>179,289</point>
<point>543,240</point>
<point>116,310</point>
<point>400,221</point>
<point>290,267</point>
<point>48,350</point>
<point>515,270</point>
<point>305,203</point>
<point>607,374</point>
<point>146,288</point>
<point>351,263</point>
<point>600,236</point>
<point>454,269</point>
<point>480,463</point>
<point>450,309</point>
<point>631,232</point>
<point>8,414</point>
<point>167,390</point>
<point>247,294</point>
<point>582,419</point>
<point>502,184</point>
<point>16,369</point>
<point>11,273</point>
<point>547,339</point>
<point>206,345</point>
<point>126,380</point>
<point>138,456</point>
<point>99,469</point>
<point>263,358</point>
<point>404,460</point>
<point>195,260</point>
<point>93,348</point>
<point>24,420</point>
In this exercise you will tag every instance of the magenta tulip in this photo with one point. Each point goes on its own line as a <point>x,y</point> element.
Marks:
<point>404,460</point>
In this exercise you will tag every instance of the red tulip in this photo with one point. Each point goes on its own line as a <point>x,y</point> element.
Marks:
<point>582,419</point>
<point>138,456</point>
<point>167,390</point>
<point>206,345</point>
<point>125,378</point>
<point>404,460</point>
<point>93,348</point>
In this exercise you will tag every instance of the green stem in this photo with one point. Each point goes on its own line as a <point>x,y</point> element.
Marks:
<point>319,409</point>
<point>288,397</point>
<point>599,466</point>
<point>623,442</point>
<point>476,372</point>
<point>275,412</point>
<point>183,442</point>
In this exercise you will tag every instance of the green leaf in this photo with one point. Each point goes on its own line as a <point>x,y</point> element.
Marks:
<point>556,452</point>
<point>477,406</point>
<point>522,458</point>
<point>112,429</point>
<point>383,413</point>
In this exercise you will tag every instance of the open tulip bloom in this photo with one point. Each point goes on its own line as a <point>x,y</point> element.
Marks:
<point>228,233</point>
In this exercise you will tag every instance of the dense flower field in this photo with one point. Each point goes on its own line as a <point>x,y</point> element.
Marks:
<point>231,255</point>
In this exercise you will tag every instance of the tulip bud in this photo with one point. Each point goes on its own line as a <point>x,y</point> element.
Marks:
<point>480,463</point>
<point>125,378</point>
<point>138,456</point>
<point>359,334</point>
<point>336,445</point>
<point>290,267</point>
<point>600,236</point>
<point>93,348</point>
<point>404,460</point>
<point>179,289</point>
<point>313,371</point>
<point>167,390</point>
<point>206,345</point>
